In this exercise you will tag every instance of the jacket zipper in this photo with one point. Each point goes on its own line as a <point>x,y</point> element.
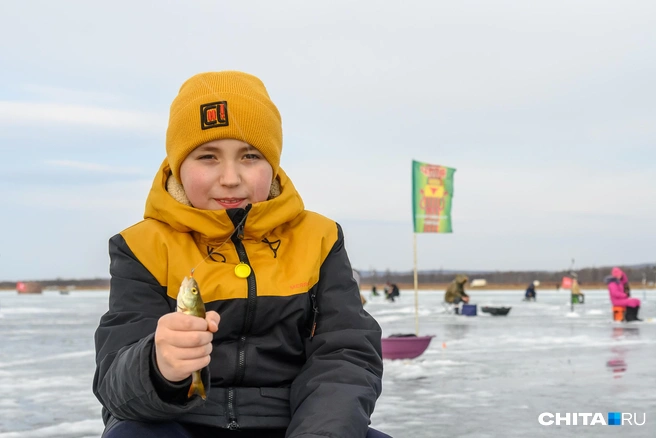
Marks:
<point>233,424</point>
<point>232,421</point>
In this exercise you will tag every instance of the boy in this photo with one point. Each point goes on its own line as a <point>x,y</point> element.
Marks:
<point>285,349</point>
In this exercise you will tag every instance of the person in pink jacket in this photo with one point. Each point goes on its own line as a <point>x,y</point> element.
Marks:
<point>617,283</point>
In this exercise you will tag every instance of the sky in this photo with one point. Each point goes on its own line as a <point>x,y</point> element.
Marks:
<point>547,110</point>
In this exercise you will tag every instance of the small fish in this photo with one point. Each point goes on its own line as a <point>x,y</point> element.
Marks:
<point>190,302</point>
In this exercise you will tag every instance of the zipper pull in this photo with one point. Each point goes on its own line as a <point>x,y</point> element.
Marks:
<point>240,227</point>
<point>314,323</point>
<point>233,425</point>
<point>240,231</point>
<point>315,312</point>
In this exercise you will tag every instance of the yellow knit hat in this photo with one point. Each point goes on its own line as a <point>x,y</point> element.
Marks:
<point>227,104</point>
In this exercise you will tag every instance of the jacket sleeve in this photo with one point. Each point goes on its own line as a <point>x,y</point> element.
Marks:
<point>127,382</point>
<point>335,393</point>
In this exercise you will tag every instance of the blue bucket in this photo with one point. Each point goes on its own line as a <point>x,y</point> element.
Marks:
<point>468,310</point>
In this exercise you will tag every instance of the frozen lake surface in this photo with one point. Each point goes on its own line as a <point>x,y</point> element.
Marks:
<point>481,376</point>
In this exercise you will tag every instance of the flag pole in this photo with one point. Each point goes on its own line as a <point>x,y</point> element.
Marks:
<point>414,235</point>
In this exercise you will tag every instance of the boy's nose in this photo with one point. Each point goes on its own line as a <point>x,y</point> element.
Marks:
<point>230,175</point>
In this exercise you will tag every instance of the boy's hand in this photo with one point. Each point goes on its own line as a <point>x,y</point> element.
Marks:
<point>183,343</point>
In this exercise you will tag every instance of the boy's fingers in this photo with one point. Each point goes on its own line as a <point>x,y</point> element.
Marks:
<point>213,320</point>
<point>189,339</point>
<point>193,352</point>
<point>183,322</point>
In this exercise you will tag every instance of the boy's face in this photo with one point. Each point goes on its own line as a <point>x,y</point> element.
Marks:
<point>224,174</point>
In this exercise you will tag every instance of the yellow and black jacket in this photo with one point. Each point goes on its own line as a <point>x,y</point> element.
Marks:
<point>266,369</point>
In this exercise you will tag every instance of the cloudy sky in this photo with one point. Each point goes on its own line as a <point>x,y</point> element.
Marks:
<point>547,109</point>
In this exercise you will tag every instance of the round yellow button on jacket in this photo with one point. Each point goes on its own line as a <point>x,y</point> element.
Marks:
<point>242,270</point>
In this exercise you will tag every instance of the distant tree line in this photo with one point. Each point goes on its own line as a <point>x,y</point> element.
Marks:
<point>586,275</point>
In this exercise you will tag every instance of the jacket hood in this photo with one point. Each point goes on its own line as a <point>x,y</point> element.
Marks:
<point>617,272</point>
<point>461,279</point>
<point>215,226</point>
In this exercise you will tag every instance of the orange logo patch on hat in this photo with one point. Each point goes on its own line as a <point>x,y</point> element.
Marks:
<point>214,115</point>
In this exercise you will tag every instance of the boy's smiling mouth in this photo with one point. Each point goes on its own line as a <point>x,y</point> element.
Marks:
<point>229,202</point>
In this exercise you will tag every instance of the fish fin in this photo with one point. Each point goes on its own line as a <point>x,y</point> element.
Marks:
<point>196,386</point>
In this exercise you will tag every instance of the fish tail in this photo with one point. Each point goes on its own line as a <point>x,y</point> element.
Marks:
<point>197,386</point>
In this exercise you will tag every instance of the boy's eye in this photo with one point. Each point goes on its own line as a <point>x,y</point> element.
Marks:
<point>206,157</point>
<point>251,156</point>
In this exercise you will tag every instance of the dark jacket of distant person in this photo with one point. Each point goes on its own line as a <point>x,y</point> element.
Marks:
<point>456,290</point>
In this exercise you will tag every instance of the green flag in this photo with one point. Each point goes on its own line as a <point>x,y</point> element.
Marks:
<point>432,195</point>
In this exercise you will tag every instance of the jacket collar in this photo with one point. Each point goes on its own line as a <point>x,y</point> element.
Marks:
<point>610,279</point>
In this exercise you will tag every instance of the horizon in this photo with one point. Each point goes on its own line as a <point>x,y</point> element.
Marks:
<point>647,267</point>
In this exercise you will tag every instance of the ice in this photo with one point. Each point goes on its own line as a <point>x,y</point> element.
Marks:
<point>483,376</point>
<point>82,429</point>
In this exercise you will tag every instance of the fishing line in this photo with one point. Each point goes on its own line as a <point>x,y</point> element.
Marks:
<point>233,119</point>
